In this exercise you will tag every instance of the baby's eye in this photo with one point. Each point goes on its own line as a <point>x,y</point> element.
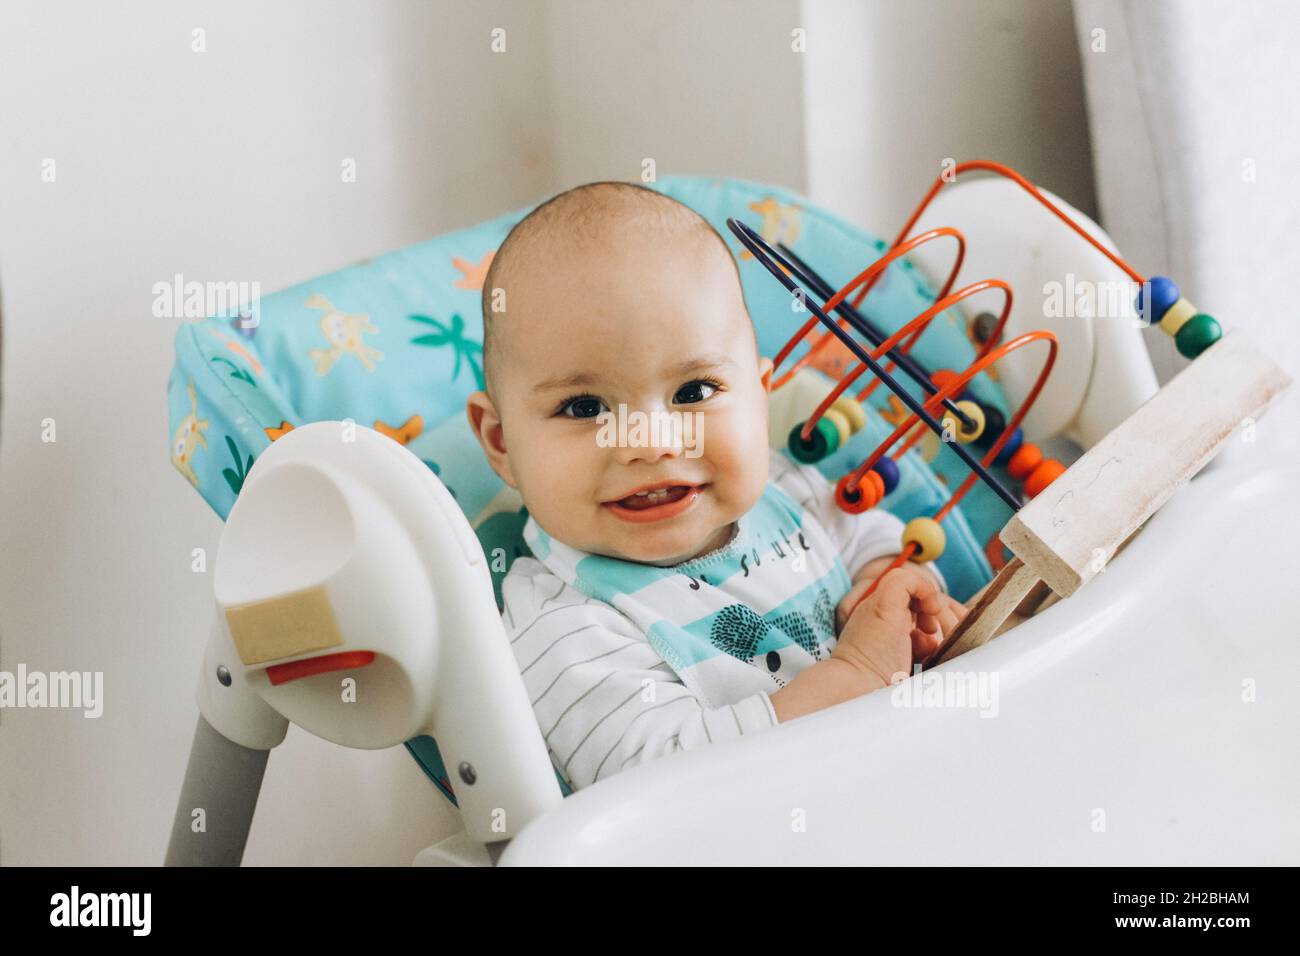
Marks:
<point>584,406</point>
<point>693,392</point>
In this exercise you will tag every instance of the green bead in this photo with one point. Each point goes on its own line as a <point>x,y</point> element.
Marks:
<point>1197,334</point>
<point>823,441</point>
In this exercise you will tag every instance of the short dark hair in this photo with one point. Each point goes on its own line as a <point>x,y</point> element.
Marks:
<point>581,212</point>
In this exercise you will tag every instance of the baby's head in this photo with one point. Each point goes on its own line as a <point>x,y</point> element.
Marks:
<point>614,295</point>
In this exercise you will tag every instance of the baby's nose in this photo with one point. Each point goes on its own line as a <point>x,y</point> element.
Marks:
<point>646,437</point>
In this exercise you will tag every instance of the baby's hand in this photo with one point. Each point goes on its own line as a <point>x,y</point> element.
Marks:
<point>902,621</point>
<point>874,569</point>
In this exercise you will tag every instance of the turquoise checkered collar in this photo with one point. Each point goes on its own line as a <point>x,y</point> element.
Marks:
<point>593,573</point>
<point>771,529</point>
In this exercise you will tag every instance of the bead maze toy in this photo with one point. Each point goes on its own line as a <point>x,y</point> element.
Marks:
<point>1058,541</point>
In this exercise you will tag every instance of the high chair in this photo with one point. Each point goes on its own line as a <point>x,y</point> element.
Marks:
<point>358,579</point>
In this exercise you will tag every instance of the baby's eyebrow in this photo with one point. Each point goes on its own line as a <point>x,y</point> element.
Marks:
<point>580,379</point>
<point>575,380</point>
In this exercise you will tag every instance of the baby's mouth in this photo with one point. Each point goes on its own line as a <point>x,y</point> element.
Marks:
<point>652,499</point>
<point>657,505</point>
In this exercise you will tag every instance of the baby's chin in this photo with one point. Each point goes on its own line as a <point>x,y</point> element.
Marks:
<point>665,546</point>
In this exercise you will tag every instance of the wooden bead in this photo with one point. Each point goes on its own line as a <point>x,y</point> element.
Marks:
<point>1047,472</point>
<point>841,424</point>
<point>887,469</point>
<point>862,498</point>
<point>983,326</point>
<point>953,424</point>
<point>824,440</point>
<point>1164,293</point>
<point>1197,334</point>
<point>927,534</point>
<point>1176,317</point>
<point>851,410</point>
<point>1024,461</point>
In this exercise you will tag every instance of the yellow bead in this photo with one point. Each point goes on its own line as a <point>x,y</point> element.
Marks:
<point>1176,315</point>
<point>951,423</point>
<point>852,411</point>
<point>841,424</point>
<point>927,534</point>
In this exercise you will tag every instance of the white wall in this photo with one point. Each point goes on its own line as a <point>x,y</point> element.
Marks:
<point>893,89</point>
<point>1197,145</point>
<point>711,88</point>
<point>225,166</point>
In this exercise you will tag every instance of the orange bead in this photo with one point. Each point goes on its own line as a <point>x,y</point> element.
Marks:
<point>877,483</point>
<point>865,497</point>
<point>1047,472</point>
<point>942,377</point>
<point>1024,461</point>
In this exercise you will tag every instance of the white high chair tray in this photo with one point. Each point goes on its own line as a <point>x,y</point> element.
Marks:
<point>1124,734</point>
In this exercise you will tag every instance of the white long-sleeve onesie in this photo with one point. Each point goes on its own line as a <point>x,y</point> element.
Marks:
<point>625,662</point>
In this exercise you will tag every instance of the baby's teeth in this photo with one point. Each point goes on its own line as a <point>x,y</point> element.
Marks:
<point>661,493</point>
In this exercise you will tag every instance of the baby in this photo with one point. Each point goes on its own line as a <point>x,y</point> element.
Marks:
<point>679,592</point>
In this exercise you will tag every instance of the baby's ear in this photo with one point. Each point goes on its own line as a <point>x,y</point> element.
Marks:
<point>485,423</point>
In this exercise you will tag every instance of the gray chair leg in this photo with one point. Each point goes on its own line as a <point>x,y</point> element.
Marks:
<point>223,780</point>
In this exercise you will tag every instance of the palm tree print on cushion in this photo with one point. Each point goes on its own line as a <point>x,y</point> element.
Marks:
<point>235,476</point>
<point>453,336</point>
<point>236,371</point>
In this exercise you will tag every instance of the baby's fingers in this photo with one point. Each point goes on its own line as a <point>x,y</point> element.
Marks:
<point>959,610</point>
<point>923,644</point>
<point>913,584</point>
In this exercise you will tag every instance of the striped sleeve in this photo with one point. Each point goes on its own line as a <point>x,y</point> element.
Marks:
<point>603,697</point>
<point>859,538</point>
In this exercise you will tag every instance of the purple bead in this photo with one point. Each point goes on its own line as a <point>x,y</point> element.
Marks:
<point>1010,448</point>
<point>887,469</point>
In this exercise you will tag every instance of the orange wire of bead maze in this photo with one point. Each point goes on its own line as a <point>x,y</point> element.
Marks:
<point>863,487</point>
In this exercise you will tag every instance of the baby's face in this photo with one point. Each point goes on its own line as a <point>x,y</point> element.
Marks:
<point>642,330</point>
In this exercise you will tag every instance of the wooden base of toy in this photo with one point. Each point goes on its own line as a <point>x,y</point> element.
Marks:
<point>1064,536</point>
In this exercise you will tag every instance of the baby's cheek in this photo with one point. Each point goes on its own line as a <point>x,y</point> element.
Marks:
<point>740,438</point>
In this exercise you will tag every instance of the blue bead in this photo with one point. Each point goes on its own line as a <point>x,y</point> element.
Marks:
<point>1010,448</point>
<point>887,469</point>
<point>994,422</point>
<point>1164,293</point>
